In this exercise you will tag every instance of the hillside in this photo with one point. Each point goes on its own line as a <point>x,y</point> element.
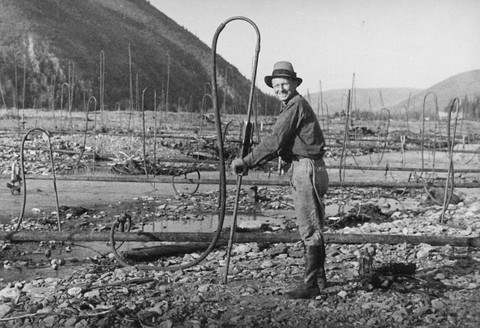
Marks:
<point>462,85</point>
<point>68,41</point>
<point>459,86</point>
<point>373,99</point>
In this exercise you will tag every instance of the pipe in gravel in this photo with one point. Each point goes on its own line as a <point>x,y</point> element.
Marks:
<point>222,180</point>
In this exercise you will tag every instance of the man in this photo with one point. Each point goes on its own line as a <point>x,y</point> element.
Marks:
<point>298,140</point>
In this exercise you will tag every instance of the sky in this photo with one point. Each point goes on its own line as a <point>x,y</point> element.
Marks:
<point>384,43</point>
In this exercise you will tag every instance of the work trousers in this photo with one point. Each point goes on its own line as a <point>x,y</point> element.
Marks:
<point>309,181</point>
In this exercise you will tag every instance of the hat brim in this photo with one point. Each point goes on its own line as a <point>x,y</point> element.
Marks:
<point>268,79</point>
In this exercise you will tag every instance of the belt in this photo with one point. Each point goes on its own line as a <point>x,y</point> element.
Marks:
<point>317,161</point>
<point>297,158</point>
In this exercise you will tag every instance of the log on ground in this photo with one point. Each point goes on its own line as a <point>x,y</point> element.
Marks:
<point>240,237</point>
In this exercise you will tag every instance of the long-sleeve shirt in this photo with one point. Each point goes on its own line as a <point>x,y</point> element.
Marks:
<point>296,134</point>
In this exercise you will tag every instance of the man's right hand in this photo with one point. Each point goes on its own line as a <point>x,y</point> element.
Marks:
<point>238,166</point>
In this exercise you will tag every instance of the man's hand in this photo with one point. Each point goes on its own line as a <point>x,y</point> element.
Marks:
<point>238,166</point>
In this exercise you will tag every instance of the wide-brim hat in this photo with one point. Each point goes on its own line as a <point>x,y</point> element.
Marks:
<point>282,69</point>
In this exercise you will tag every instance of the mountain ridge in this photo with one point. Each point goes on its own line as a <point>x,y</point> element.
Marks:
<point>65,38</point>
<point>58,44</point>
<point>461,85</point>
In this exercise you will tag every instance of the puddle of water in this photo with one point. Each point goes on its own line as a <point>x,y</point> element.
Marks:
<point>82,251</point>
<point>30,273</point>
<point>209,224</point>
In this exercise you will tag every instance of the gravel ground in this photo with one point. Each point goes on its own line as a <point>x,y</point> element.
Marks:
<point>443,292</point>
<point>84,286</point>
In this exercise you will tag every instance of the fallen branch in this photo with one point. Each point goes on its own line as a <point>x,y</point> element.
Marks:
<point>145,280</point>
<point>29,315</point>
<point>44,314</point>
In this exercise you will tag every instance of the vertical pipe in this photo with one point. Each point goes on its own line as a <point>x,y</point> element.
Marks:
<point>341,168</point>
<point>24,79</point>
<point>65,84</point>
<point>92,98</point>
<point>143,132</point>
<point>71,83</point>
<point>102,85</point>
<point>2,94</point>
<point>154,135</point>
<point>131,85</point>
<point>53,100</point>
<point>167,58</point>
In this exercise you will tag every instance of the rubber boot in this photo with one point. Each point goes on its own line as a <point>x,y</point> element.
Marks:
<point>315,256</point>
<point>322,278</point>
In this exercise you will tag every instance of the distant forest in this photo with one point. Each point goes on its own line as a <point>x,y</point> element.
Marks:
<point>470,108</point>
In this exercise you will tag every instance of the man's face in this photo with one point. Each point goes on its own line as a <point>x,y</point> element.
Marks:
<point>283,87</point>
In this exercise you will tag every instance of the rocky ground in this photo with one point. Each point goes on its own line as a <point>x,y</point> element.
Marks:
<point>443,291</point>
<point>91,289</point>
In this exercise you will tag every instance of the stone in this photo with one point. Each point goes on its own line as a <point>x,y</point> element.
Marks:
<point>46,309</point>
<point>70,322</point>
<point>438,304</point>
<point>197,299</point>
<point>4,310</point>
<point>242,249</point>
<point>11,293</point>
<point>166,324</point>
<point>74,291</point>
<point>267,264</point>
<point>49,321</point>
<point>92,293</point>
<point>439,276</point>
<point>81,324</point>
<point>474,207</point>
<point>203,288</point>
<point>277,250</point>
<point>342,294</point>
<point>423,251</point>
<point>38,292</point>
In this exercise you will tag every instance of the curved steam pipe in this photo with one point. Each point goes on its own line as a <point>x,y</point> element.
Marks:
<point>450,180</point>
<point>22,172</point>
<point>423,131</point>
<point>222,169</point>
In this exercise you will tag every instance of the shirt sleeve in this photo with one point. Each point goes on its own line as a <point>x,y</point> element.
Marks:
<point>283,132</point>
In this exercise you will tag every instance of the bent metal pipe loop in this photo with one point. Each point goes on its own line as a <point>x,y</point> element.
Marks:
<point>450,181</point>
<point>22,171</point>
<point>385,139</point>
<point>247,137</point>
<point>82,149</point>
<point>423,132</point>
<point>195,189</point>
<point>426,183</point>
<point>222,188</point>
<point>203,111</point>
<point>226,129</point>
